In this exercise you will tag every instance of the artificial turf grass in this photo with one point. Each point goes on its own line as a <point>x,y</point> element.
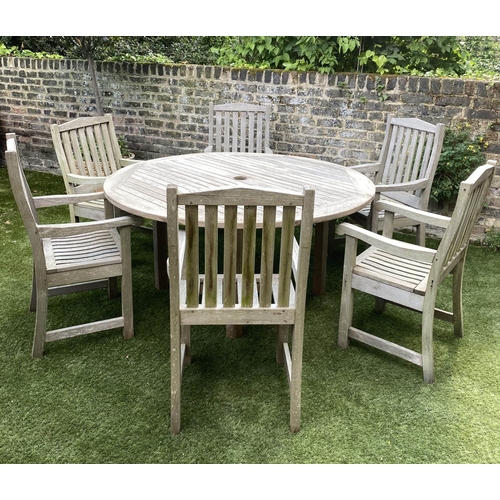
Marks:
<point>103,399</point>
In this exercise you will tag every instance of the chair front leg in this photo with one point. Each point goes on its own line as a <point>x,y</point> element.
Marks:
<point>175,376</point>
<point>347,299</point>
<point>458,318</point>
<point>296,378</point>
<point>33,292</point>
<point>40,323</point>
<point>126,288</point>
<point>427,334</point>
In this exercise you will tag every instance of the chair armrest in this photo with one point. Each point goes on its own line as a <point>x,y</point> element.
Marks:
<point>85,179</point>
<point>402,186</point>
<point>65,199</point>
<point>367,168</point>
<point>71,229</point>
<point>394,247</point>
<point>413,213</point>
<point>125,162</point>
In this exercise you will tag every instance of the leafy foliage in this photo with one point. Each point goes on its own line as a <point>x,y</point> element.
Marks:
<point>483,55</point>
<point>430,55</point>
<point>327,54</point>
<point>301,53</point>
<point>15,52</point>
<point>413,54</point>
<point>144,49</point>
<point>492,239</point>
<point>460,155</point>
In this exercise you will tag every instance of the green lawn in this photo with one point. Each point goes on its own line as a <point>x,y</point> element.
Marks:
<point>102,399</point>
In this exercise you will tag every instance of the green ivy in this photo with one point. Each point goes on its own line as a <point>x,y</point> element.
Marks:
<point>15,52</point>
<point>461,154</point>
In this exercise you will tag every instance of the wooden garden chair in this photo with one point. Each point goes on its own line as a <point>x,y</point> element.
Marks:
<point>72,257</point>
<point>238,127</point>
<point>404,172</point>
<point>87,151</point>
<point>409,275</point>
<point>257,295</point>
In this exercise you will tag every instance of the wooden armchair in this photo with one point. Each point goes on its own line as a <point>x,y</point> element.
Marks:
<point>257,295</point>
<point>87,150</point>
<point>404,171</point>
<point>409,275</point>
<point>72,257</point>
<point>240,128</point>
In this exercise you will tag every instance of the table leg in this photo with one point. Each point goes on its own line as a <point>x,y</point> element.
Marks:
<point>320,258</point>
<point>331,236</point>
<point>160,254</point>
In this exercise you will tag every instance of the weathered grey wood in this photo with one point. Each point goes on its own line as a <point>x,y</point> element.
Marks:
<point>238,127</point>
<point>267,260</point>
<point>409,275</point>
<point>282,351</point>
<point>286,253</point>
<point>240,298</point>
<point>211,256</point>
<point>404,172</point>
<point>384,345</point>
<point>87,151</point>
<point>140,189</point>
<point>248,257</point>
<point>73,331</point>
<point>72,257</point>
<point>175,281</point>
<point>347,298</point>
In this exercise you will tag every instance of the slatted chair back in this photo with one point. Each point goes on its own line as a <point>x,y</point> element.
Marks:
<point>455,241</point>
<point>404,172</point>
<point>263,287</point>
<point>87,151</point>
<point>410,152</point>
<point>238,127</point>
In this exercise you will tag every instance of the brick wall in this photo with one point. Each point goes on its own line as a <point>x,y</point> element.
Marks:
<point>161,110</point>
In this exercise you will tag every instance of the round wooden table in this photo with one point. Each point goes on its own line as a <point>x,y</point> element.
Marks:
<point>140,189</point>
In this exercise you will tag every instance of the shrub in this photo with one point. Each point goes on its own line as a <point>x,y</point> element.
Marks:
<point>15,52</point>
<point>492,239</point>
<point>460,155</point>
